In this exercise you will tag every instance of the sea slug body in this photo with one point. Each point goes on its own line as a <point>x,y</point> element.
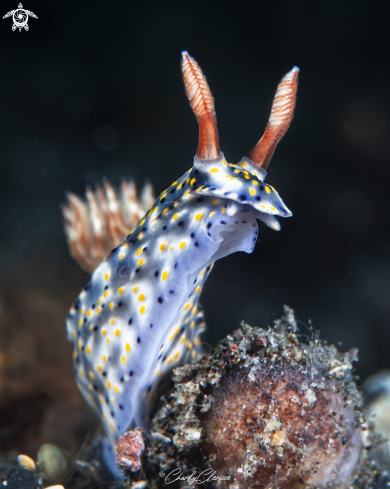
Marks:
<point>139,316</point>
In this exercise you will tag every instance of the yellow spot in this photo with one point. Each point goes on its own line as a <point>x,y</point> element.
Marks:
<point>104,331</point>
<point>112,426</point>
<point>175,217</point>
<point>224,162</point>
<point>170,248</point>
<point>73,333</point>
<point>141,235</point>
<point>80,322</point>
<point>112,321</point>
<point>187,306</point>
<point>236,171</point>
<point>211,214</point>
<point>190,346</point>
<point>268,190</point>
<point>142,309</point>
<point>202,272</point>
<point>182,245</point>
<point>111,305</point>
<point>141,297</point>
<point>263,206</point>
<point>164,275</point>
<point>140,262</point>
<point>120,290</point>
<point>273,208</point>
<point>197,289</point>
<point>107,340</point>
<point>141,223</point>
<point>192,324</point>
<point>186,192</point>
<point>214,170</point>
<point>105,293</point>
<point>198,217</point>
<point>179,186</point>
<point>165,210</point>
<point>116,390</point>
<point>195,310</point>
<point>177,330</point>
<point>90,375</point>
<point>223,211</point>
<point>106,276</point>
<point>99,301</point>
<point>139,252</point>
<point>247,177</point>
<point>193,354</point>
<point>135,289</point>
<point>170,360</point>
<point>188,179</point>
<point>88,350</point>
<point>183,339</point>
<point>121,256</point>
<point>252,191</point>
<point>82,311</point>
<point>128,348</point>
<point>156,372</point>
<point>193,181</point>
<point>81,373</point>
<point>215,201</point>
<point>162,247</point>
<point>104,358</point>
<point>177,355</point>
<point>108,384</point>
<point>163,196</point>
<point>124,359</point>
<point>100,368</point>
<point>244,164</point>
<point>80,345</point>
<point>255,182</point>
<point>155,210</point>
<point>97,310</point>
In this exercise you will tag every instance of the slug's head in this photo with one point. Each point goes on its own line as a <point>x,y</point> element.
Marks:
<point>242,182</point>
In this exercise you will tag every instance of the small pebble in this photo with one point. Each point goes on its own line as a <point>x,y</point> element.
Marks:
<point>54,463</point>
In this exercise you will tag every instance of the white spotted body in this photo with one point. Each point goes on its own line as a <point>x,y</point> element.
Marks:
<point>139,316</point>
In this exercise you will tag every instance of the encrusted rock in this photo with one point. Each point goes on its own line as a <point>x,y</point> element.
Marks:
<point>129,450</point>
<point>264,409</point>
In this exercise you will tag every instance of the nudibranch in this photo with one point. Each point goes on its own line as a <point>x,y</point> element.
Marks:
<point>139,316</point>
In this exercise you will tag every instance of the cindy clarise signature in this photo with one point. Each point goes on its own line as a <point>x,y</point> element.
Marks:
<point>208,475</point>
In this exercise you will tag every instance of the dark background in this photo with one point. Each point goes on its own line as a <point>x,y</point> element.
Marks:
<point>94,88</point>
